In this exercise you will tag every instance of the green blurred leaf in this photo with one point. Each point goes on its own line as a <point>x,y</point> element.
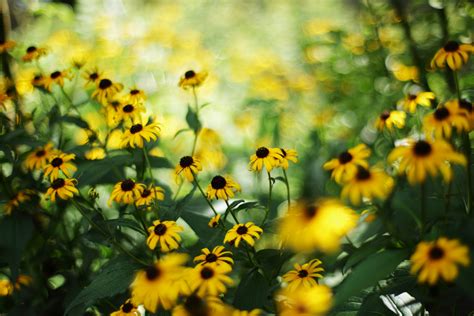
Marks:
<point>75,120</point>
<point>272,260</point>
<point>182,131</point>
<point>124,222</point>
<point>252,292</point>
<point>101,171</point>
<point>193,120</point>
<point>366,250</point>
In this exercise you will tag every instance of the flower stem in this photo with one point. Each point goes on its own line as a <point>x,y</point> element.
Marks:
<point>287,188</point>
<point>196,132</point>
<point>229,209</point>
<point>270,188</point>
<point>204,195</point>
<point>422,207</point>
<point>456,84</point>
<point>148,165</point>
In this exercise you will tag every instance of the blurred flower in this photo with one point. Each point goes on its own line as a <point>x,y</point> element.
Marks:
<point>92,76</point>
<point>135,96</point>
<point>303,275</point>
<point>254,312</point>
<point>126,191</point>
<point>405,73</point>
<point>268,157</point>
<point>33,53</point>
<point>149,195</point>
<point>56,77</point>
<point>38,158</point>
<point>135,135</point>
<point>222,188</point>
<point>286,154</point>
<point>217,256</point>
<point>453,54</point>
<point>6,45</point>
<point>166,234</point>
<point>6,287</point>
<point>439,259</point>
<point>19,198</point>
<point>248,232</point>
<point>105,90</point>
<point>194,305</point>
<point>60,162</point>
<point>345,166</point>
<point>64,188</point>
<point>318,225</point>
<point>188,167</point>
<point>465,108</point>
<point>192,79</point>
<point>418,158</point>
<point>410,101</point>
<point>214,221</point>
<point>128,112</point>
<point>367,183</point>
<point>441,122</point>
<point>210,279</point>
<point>126,309</point>
<point>112,112</point>
<point>96,153</point>
<point>389,119</point>
<point>314,301</point>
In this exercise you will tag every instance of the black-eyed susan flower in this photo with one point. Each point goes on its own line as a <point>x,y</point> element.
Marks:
<point>286,155</point>
<point>367,184</point>
<point>419,158</point>
<point>317,225</point>
<point>439,259</point>
<point>19,198</point>
<point>135,96</point>
<point>218,256</point>
<point>56,77</point>
<point>188,167</point>
<point>210,279</point>
<point>305,275</point>
<point>64,188</point>
<point>105,90</point>
<point>126,309</point>
<point>195,305</point>
<point>253,312</point>
<point>96,153</point>
<point>346,164</point>
<point>222,187</point>
<point>126,191</point>
<point>247,232</point>
<point>390,119</point>
<point>465,108</point>
<point>60,162</point>
<point>38,81</point>
<point>265,157</point>
<point>412,100</point>
<point>6,45</point>
<point>192,79</point>
<point>214,222</point>
<point>155,286</point>
<point>92,76</point>
<point>39,158</point>
<point>112,112</point>
<point>6,287</point>
<point>453,54</point>
<point>149,195</point>
<point>33,53</point>
<point>314,301</point>
<point>138,133</point>
<point>441,122</point>
<point>129,112</point>
<point>164,233</point>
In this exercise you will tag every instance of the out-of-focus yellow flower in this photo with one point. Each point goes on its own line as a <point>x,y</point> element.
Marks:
<point>192,79</point>
<point>389,119</point>
<point>441,122</point>
<point>465,108</point>
<point>6,287</point>
<point>33,53</point>
<point>19,198</point>
<point>367,184</point>
<point>314,301</point>
<point>267,86</point>
<point>135,96</point>
<point>92,76</point>
<point>210,279</point>
<point>96,153</point>
<point>411,101</point>
<point>453,54</point>
<point>405,73</point>
<point>354,43</point>
<point>195,305</point>
<point>6,45</point>
<point>39,158</point>
<point>56,77</point>
<point>345,166</point>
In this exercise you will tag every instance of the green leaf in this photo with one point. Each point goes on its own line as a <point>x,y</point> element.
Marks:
<point>373,305</point>
<point>272,260</point>
<point>252,292</point>
<point>159,162</point>
<point>365,250</point>
<point>373,269</point>
<point>114,278</point>
<point>101,171</point>
<point>75,120</point>
<point>124,222</point>
<point>193,120</point>
<point>182,131</point>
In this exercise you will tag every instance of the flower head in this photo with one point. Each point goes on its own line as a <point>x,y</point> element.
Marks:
<point>164,233</point>
<point>105,90</point>
<point>38,158</point>
<point>214,221</point>
<point>126,309</point>
<point>19,198</point>
<point>453,54</point>
<point>64,188</point>
<point>135,96</point>
<point>265,157</point>
<point>33,53</point>
<point>6,45</point>
<point>247,232</point>
<point>149,195</point>
<point>286,155</point>
<point>305,275</point>
<point>188,167</point>
<point>96,153</point>
<point>222,187</point>
<point>92,76</point>
<point>412,100</point>
<point>367,183</point>
<point>136,134</point>
<point>60,162</point>
<point>56,77</point>
<point>441,122</point>
<point>346,164</point>
<point>218,256</point>
<point>192,79</point>
<point>196,305</point>
<point>126,191</point>
<point>210,279</point>
<point>389,119</point>
<point>313,301</point>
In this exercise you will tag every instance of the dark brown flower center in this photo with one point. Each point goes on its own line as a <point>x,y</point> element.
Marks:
<point>211,257</point>
<point>136,128</point>
<point>146,193</point>
<point>189,74</point>
<point>152,273</point>
<point>466,105</point>
<point>303,273</point>
<point>127,307</point>
<point>242,230</point>
<point>195,306</point>
<point>40,153</point>
<point>127,185</point>
<point>385,115</point>
<point>58,183</point>
<point>207,273</point>
<point>105,83</point>
<point>451,46</point>
<point>362,174</point>
<point>441,113</point>
<point>436,253</point>
<point>186,161</point>
<point>160,229</point>
<point>262,152</point>
<point>422,148</point>
<point>55,74</point>
<point>218,182</point>
<point>94,76</point>
<point>128,108</point>
<point>411,97</point>
<point>37,77</point>
<point>134,92</point>
<point>310,211</point>
<point>56,162</point>
<point>31,49</point>
<point>345,157</point>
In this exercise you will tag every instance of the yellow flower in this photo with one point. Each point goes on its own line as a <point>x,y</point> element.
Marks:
<point>64,188</point>
<point>304,275</point>
<point>127,309</point>
<point>439,259</point>
<point>345,166</point>
<point>112,112</point>
<point>389,119</point>
<point>96,153</point>
<point>166,234</point>
<point>135,135</point>
<point>268,157</point>
<point>222,188</point>
<point>21,197</point>
<point>453,54</point>
<point>214,221</point>
<point>248,232</point>
<point>149,195</point>
<point>6,288</point>
<point>367,183</point>
<point>156,285</point>
<point>286,154</point>
<point>126,191</point>
<point>194,305</point>
<point>60,162</point>
<point>56,77</point>
<point>313,301</point>
<point>443,119</point>
<point>105,90</point>
<point>424,157</point>
<point>465,108</point>
<point>319,225</point>
<point>6,45</point>
<point>218,256</point>
<point>410,102</point>
<point>254,312</point>
<point>210,279</point>
<point>33,53</point>
<point>189,167</point>
<point>38,81</point>
<point>192,79</point>
<point>38,158</point>
<point>135,96</point>
<point>129,112</point>
<point>92,76</point>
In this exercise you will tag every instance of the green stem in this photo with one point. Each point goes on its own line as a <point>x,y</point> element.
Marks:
<point>204,195</point>
<point>71,105</point>
<point>148,165</point>
<point>140,218</point>
<point>231,211</point>
<point>456,84</point>
<point>270,188</point>
<point>423,206</point>
<point>287,188</point>
<point>467,150</point>
<point>196,108</point>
